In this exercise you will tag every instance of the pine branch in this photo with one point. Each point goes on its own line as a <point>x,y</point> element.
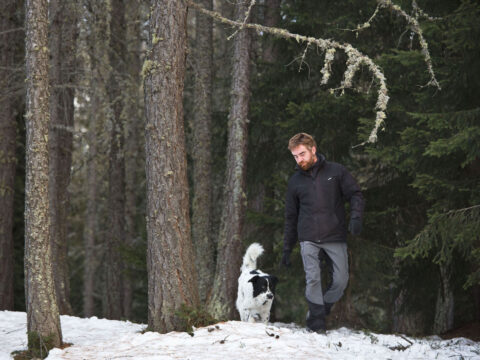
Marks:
<point>454,230</point>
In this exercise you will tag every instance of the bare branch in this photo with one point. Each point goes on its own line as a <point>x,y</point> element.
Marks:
<point>324,44</point>
<point>247,15</point>
<point>414,26</point>
<point>11,30</point>
<point>327,66</point>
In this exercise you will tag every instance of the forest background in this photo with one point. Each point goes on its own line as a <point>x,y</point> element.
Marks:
<point>415,267</point>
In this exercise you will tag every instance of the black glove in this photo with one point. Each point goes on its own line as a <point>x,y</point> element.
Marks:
<point>355,226</point>
<point>285,259</point>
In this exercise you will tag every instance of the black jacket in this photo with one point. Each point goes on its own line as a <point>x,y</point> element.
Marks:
<point>315,203</point>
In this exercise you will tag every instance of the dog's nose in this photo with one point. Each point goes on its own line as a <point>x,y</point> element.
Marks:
<point>270,296</point>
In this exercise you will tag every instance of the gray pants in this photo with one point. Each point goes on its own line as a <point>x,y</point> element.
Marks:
<point>337,252</point>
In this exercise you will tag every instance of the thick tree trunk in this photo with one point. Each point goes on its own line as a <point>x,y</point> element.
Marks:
<point>202,131</point>
<point>116,202</point>
<point>43,320</point>
<point>8,134</point>
<point>63,34</point>
<point>222,303</point>
<point>170,263</point>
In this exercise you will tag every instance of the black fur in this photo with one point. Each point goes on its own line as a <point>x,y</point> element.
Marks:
<point>262,283</point>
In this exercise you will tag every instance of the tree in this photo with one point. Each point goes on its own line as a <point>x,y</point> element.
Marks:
<point>229,250</point>
<point>96,65</point>
<point>134,148</point>
<point>116,192</point>
<point>7,152</point>
<point>170,263</point>
<point>43,320</point>
<point>271,19</point>
<point>201,153</point>
<point>62,44</point>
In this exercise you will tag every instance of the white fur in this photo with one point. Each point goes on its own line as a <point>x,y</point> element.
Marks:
<point>252,309</point>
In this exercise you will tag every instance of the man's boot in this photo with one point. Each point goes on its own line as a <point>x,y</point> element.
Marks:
<point>328,308</point>
<point>316,318</point>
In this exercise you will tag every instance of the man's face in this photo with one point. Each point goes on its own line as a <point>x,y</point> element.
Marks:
<point>304,157</point>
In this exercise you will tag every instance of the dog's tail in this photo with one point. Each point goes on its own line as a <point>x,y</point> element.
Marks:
<point>251,255</point>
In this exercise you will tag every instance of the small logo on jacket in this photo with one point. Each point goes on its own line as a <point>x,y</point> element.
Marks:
<point>330,178</point>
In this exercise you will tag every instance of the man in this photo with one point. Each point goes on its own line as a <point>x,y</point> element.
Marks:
<point>315,215</point>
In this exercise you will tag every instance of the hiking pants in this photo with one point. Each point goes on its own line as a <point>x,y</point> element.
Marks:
<point>337,258</point>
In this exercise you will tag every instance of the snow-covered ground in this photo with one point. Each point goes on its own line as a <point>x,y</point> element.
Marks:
<point>95,338</point>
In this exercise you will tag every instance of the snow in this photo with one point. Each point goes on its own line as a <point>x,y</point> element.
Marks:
<point>95,338</point>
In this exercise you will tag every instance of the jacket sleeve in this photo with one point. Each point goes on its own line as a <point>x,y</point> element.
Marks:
<point>291,219</point>
<point>352,193</point>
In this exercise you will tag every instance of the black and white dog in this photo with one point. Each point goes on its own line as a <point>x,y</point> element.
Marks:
<point>255,288</point>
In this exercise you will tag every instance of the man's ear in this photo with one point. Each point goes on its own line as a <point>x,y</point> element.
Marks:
<point>254,279</point>
<point>314,149</point>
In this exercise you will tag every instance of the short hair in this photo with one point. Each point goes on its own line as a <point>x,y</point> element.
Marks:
<point>301,139</point>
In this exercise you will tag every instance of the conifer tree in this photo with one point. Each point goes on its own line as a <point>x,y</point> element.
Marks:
<point>43,320</point>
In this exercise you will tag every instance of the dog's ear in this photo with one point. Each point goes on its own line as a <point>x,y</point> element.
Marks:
<point>273,280</point>
<point>254,279</point>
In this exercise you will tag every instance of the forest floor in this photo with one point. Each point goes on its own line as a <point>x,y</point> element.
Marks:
<point>470,331</point>
<point>94,339</point>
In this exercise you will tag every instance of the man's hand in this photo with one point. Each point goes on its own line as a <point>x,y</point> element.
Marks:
<point>355,226</point>
<point>285,259</point>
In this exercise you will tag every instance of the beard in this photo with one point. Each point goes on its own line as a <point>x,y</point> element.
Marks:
<point>305,165</point>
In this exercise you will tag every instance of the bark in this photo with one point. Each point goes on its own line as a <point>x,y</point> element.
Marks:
<point>444,315</point>
<point>272,19</point>
<point>63,34</point>
<point>91,215</point>
<point>43,320</point>
<point>229,250</point>
<point>8,134</point>
<point>171,276</point>
<point>406,322</point>
<point>202,131</point>
<point>96,16</point>
<point>133,143</point>
<point>116,202</point>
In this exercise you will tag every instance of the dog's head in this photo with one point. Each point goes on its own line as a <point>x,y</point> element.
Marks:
<point>263,288</point>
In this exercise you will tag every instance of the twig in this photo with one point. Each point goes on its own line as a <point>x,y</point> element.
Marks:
<point>247,14</point>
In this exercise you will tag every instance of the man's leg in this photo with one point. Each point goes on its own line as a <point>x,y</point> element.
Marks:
<point>338,258</point>
<point>313,291</point>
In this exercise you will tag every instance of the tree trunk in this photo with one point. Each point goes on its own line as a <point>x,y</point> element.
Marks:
<point>116,191</point>
<point>170,263</point>
<point>96,16</point>
<point>202,131</point>
<point>91,215</point>
<point>222,303</point>
<point>43,320</point>
<point>8,133</point>
<point>445,303</point>
<point>63,34</point>
<point>272,19</point>
<point>134,155</point>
